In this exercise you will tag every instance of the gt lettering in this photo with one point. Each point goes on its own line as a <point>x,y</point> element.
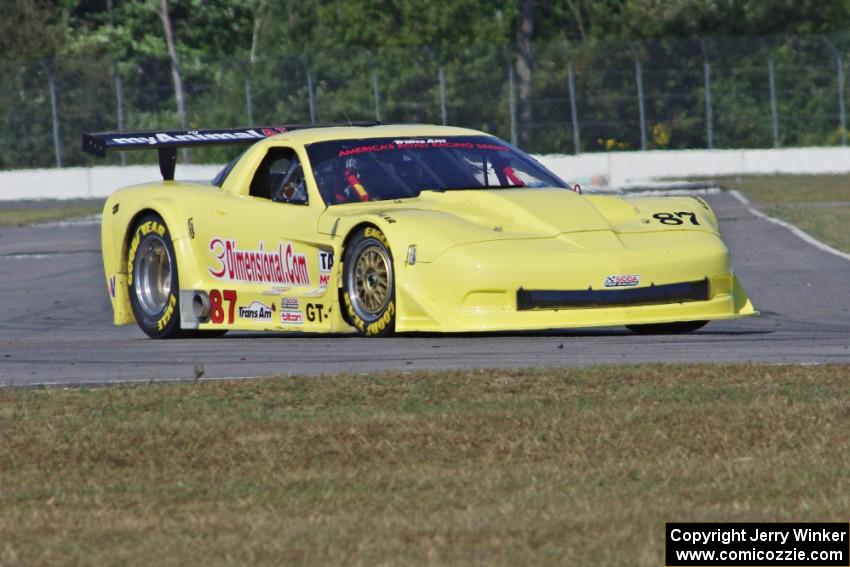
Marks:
<point>675,219</point>
<point>316,311</point>
<point>216,308</point>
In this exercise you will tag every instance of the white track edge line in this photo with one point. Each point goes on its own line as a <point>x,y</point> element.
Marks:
<point>805,236</point>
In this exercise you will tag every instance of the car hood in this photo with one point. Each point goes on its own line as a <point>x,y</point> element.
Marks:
<point>435,221</point>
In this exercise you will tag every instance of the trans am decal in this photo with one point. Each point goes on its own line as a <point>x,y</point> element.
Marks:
<point>280,266</point>
<point>256,311</point>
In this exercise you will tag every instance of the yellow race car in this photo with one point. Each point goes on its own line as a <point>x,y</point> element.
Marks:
<point>381,228</point>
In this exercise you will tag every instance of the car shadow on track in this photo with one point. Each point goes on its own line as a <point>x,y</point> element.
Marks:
<point>549,333</point>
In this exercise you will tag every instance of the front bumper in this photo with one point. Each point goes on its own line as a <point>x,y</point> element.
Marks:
<point>557,283</point>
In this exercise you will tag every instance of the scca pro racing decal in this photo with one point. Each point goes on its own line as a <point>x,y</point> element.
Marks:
<point>281,266</point>
<point>256,311</point>
<point>290,313</point>
<point>622,280</point>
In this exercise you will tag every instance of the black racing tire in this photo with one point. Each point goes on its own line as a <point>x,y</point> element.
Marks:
<point>152,279</point>
<point>676,328</point>
<point>368,290</point>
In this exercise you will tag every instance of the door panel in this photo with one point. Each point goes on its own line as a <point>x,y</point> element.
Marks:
<point>265,265</point>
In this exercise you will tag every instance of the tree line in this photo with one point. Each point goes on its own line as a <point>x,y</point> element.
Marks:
<point>560,76</point>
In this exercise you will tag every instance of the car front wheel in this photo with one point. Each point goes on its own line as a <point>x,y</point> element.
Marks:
<point>369,283</point>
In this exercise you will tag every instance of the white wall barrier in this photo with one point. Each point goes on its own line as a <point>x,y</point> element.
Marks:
<point>88,182</point>
<point>614,168</point>
<point>624,168</point>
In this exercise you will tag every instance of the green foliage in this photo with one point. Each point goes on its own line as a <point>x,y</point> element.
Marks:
<point>92,49</point>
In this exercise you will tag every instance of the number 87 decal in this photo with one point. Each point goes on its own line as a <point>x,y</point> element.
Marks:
<point>216,309</point>
<point>674,219</point>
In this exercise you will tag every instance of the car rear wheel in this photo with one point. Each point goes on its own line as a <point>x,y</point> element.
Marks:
<point>667,328</point>
<point>368,293</point>
<point>152,279</point>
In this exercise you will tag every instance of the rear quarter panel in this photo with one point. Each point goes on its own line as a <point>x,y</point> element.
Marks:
<point>175,203</point>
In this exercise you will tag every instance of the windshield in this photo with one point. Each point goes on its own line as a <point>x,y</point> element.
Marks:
<point>375,169</point>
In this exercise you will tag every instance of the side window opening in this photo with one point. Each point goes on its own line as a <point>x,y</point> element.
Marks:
<point>290,188</point>
<point>280,178</point>
<point>220,178</point>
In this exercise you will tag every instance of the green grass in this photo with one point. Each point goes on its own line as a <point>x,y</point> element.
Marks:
<point>819,204</point>
<point>785,189</point>
<point>828,224</point>
<point>560,467</point>
<point>28,216</point>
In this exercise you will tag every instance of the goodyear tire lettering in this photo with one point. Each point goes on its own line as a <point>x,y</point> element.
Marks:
<point>131,255</point>
<point>141,230</point>
<point>165,324</point>
<point>385,322</point>
<point>166,315</point>
<point>377,235</point>
<point>381,324</point>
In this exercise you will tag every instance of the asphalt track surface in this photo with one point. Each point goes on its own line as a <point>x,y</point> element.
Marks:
<point>56,326</point>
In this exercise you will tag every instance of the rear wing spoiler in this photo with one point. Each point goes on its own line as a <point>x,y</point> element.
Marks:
<point>166,142</point>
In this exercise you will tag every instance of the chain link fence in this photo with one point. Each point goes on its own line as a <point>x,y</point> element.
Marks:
<point>737,92</point>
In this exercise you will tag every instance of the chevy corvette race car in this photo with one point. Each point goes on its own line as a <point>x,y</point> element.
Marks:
<point>380,228</point>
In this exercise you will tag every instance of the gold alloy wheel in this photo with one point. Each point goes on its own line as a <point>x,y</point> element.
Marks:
<point>370,282</point>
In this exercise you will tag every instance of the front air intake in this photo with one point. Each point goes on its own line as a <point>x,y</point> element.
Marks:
<point>528,299</point>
